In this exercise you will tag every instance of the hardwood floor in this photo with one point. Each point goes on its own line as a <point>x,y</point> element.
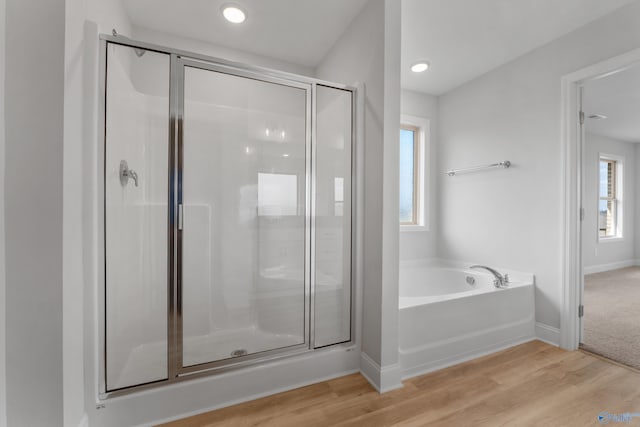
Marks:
<point>531,384</point>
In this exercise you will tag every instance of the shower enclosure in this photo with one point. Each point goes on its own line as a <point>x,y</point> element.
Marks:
<point>227,215</point>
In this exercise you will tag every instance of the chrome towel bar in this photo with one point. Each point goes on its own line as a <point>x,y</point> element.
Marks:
<point>454,172</point>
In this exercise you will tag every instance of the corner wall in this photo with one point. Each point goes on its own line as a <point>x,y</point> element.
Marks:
<point>34,82</point>
<point>369,53</point>
<point>73,181</point>
<point>513,218</point>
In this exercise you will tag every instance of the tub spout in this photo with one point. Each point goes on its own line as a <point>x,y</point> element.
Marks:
<point>500,281</point>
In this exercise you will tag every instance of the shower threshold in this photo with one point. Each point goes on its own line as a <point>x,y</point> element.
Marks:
<point>219,345</point>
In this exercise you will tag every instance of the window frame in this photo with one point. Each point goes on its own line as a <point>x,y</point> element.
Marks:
<point>617,199</point>
<point>415,213</point>
<point>421,175</point>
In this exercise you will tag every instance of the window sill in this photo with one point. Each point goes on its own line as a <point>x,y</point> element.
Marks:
<point>613,239</point>
<point>405,228</point>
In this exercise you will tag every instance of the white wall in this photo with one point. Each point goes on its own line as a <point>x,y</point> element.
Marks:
<point>359,57</point>
<point>420,244</point>
<point>197,46</point>
<point>512,218</point>
<point>73,179</point>
<point>33,211</point>
<point>109,15</point>
<point>608,254</point>
<point>3,381</point>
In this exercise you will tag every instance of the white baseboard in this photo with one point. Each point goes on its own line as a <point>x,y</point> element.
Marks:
<point>432,366</point>
<point>370,370</point>
<point>390,378</point>
<point>382,379</point>
<point>611,266</point>
<point>422,359</point>
<point>548,334</point>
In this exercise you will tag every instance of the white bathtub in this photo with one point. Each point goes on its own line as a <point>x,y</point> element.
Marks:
<point>450,313</point>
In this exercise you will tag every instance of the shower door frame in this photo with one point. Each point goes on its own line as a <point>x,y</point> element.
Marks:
<point>181,64</point>
<point>178,60</point>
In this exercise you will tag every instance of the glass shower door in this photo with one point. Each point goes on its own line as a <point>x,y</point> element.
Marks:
<point>332,272</point>
<point>243,195</point>
<point>136,183</point>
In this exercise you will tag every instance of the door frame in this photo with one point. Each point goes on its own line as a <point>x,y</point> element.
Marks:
<point>572,150</point>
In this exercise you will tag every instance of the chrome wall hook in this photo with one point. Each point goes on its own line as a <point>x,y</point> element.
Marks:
<point>126,174</point>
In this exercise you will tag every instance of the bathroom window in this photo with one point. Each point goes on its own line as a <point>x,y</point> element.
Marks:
<point>414,175</point>
<point>610,197</point>
<point>409,175</point>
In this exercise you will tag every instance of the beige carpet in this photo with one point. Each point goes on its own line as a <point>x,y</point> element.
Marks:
<point>612,315</point>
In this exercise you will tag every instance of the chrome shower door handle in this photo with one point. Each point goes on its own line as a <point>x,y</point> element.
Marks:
<point>126,174</point>
<point>133,175</point>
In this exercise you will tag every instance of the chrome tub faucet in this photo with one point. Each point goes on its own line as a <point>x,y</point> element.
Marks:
<point>499,280</point>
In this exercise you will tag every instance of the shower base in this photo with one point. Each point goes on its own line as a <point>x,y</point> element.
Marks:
<point>148,362</point>
<point>220,345</point>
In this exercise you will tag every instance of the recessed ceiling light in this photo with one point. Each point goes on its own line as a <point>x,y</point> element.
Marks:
<point>598,117</point>
<point>285,155</point>
<point>419,67</point>
<point>233,13</point>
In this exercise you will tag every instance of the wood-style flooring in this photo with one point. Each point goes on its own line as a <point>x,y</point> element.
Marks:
<point>531,384</point>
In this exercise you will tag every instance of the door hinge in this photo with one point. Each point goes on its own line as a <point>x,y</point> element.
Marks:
<point>180,216</point>
<point>581,310</point>
<point>581,117</point>
<point>581,214</point>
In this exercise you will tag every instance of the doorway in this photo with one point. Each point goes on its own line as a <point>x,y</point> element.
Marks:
<point>610,244</point>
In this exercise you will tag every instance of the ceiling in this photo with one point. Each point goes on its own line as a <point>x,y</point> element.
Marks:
<point>463,39</point>
<point>616,96</point>
<point>297,31</point>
